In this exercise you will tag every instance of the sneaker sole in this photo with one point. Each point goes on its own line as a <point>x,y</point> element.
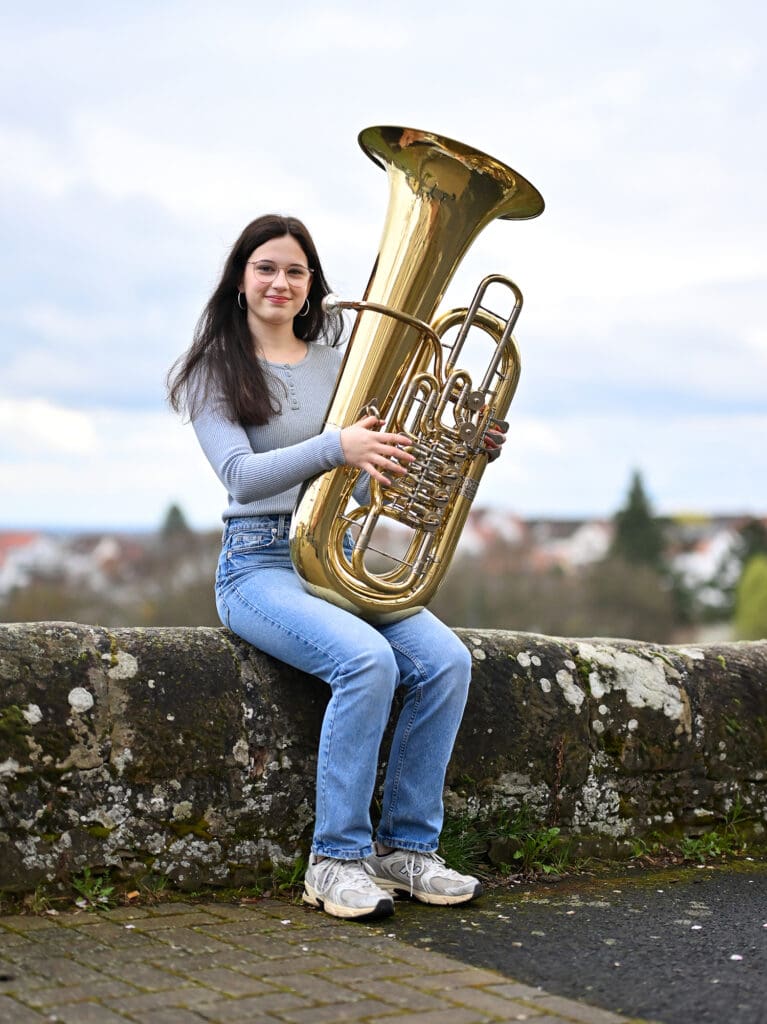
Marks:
<point>436,899</point>
<point>383,908</point>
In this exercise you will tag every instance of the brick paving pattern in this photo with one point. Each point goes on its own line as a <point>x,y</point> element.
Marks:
<point>266,962</point>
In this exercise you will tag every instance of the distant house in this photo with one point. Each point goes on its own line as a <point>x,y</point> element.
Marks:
<point>704,551</point>
<point>486,528</point>
<point>707,557</point>
<point>570,545</point>
<point>24,554</point>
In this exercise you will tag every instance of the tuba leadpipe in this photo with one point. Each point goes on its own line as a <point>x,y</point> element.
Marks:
<point>398,364</point>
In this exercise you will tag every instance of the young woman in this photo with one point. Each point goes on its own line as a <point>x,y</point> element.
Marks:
<point>256,383</point>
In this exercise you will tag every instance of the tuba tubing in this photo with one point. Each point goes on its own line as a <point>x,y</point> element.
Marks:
<point>442,194</point>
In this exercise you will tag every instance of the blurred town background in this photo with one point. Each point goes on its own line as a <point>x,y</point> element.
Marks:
<point>636,575</point>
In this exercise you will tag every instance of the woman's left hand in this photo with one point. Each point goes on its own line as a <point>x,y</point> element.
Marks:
<point>494,438</point>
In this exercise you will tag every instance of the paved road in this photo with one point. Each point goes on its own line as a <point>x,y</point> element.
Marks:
<point>267,962</point>
<point>681,947</point>
<point>658,946</point>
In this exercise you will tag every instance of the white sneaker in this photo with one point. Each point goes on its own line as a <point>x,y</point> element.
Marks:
<point>344,888</point>
<point>424,876</point>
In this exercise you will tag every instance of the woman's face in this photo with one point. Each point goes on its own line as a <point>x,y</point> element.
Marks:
<point>276,301</point>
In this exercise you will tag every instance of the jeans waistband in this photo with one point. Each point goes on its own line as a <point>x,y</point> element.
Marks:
<point>279,524</point>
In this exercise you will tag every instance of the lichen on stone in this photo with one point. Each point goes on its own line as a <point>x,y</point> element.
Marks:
<point>190,754</point>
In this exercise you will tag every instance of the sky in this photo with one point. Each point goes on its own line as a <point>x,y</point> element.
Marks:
<point>136,140</point>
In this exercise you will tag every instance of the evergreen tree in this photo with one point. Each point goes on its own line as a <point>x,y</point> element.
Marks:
<point>174,524</point>
<point>638,537</point>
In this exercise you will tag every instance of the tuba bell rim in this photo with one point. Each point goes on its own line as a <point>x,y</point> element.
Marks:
<point>388,146</point>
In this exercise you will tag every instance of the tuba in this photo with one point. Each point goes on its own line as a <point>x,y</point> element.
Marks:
<point>384,558</point>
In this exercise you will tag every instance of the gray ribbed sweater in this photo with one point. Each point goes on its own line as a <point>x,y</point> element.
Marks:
<point>262,468</point>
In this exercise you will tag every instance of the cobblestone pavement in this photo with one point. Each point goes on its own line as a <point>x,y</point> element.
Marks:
<point>183,963</point>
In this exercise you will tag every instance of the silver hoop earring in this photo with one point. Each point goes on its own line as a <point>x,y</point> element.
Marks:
<point>243,306</point>
<point>305,312</point>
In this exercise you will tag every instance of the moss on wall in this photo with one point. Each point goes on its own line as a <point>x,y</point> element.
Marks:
<point>188,752</point>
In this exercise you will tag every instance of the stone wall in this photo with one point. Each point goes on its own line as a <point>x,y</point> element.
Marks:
<point>187,753</point>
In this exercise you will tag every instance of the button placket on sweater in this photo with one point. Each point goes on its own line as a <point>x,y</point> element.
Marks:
<point>292,396</point>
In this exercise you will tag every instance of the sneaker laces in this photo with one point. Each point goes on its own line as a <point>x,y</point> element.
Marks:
<point>329,868</point>
<point>414,864</point>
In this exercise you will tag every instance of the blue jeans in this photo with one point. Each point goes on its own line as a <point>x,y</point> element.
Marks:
<point>260,597</point>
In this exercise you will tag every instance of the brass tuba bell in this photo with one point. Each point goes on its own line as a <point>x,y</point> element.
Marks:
<point>442,194</point>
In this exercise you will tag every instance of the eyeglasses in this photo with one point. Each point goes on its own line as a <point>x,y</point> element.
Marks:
<point>266,271</point>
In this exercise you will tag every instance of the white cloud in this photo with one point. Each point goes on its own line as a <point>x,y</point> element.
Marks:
<point>77,329</point>
<point>122,163</point>
<point>756,339</point>
<point>106,468</point>
<point>38,428</point>
<point>703,462</point>
<point>139,140</point>
<point>131,467</point>
<point>184,178</point>
<point>34,163</point>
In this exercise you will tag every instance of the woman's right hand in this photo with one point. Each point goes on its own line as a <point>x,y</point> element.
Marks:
<point>367,448</point>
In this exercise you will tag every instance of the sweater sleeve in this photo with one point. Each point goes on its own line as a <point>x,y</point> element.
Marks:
<point>251,476</point>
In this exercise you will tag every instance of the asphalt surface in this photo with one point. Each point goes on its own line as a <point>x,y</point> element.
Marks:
<point>676,946</point>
